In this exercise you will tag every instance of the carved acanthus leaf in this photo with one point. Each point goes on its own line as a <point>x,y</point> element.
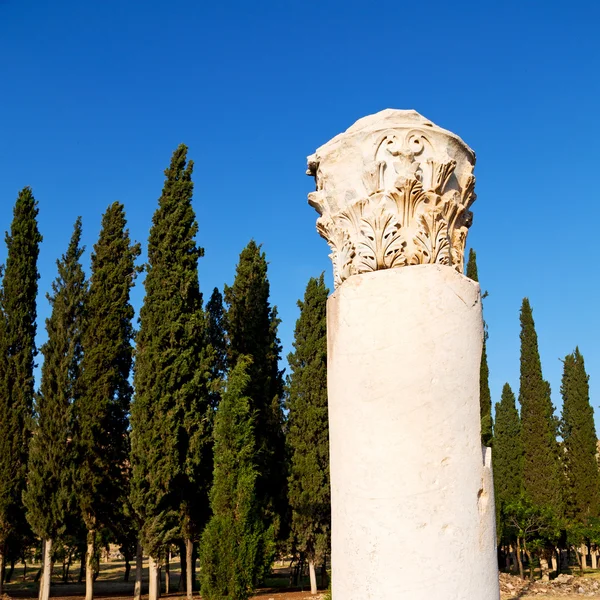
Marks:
<point>407,203</point>
<point>459,241</point>
<point>408,196</point>
<point>431,241</point>
<point>468,195</point>
<point>441,173</point>
<point>342,249</point>
<point>380,244</point>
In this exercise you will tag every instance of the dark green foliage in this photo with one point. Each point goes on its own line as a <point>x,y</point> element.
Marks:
<point>542,478</point>
<point>102,407</point>
<point>49,494</point>
<point>535,529</point>
<point>308,429</point>
<point>232,548</point>
<point>508,454</point>
<point>215,337</point>
<point>171,413</point>
<point>17,354</point>
<point>9,448</point>
<point>579,438</point>
<point>485,396</point>
<point>508,449</point>
<point>252,331</point>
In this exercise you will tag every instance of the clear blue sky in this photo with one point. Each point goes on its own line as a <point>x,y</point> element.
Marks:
<point>97,94</point>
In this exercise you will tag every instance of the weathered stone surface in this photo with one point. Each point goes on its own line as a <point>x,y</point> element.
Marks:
<point>411,487</point>
<point>393,190</point>
<point>565,586</point>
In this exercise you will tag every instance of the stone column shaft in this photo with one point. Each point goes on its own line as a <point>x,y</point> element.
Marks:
<point>412,502</point>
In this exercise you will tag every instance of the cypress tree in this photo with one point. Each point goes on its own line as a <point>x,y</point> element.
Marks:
<point>579,439</point>
<point>17,335</point>
<point>485,396</point>
<point>215,337</point>
<point>102,407</point>
<point>232,550</point>
<point>9,448</point>
<point>308,429</point>
<point>171,413</point>
<point>49,494</point>
<point>508,453</point>
<point>252,330</point>
<point>542,480</point>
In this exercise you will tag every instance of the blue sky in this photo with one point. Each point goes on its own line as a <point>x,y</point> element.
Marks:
<point>97,95</point>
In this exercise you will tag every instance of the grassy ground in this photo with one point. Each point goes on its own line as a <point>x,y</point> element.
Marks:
<point>110,582</point>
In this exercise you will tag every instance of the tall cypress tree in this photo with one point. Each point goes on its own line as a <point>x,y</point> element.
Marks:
<point>579,439</point>
<point>232,550</point>
<point>508,453</point>
<point>9,452</point>
<point>308,429</point>
<point>49,494</point>
<point>17,335</point>
<point>542,479</point>
<point>485,396</point>
<point>171,413</point>
<point>215,337</point>
<point>252,330</point>
<point>102,407</point>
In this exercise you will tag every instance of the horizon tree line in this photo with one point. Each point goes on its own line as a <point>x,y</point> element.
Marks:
<point>546,470</point>
<point>156,452</point>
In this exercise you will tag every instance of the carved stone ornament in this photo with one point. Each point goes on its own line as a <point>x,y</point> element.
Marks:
<point>394,190</point>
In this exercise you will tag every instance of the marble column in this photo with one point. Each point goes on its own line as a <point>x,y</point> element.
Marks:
<point>411,485</point>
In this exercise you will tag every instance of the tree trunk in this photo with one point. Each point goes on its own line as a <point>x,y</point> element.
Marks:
<point>137,590</point>
<point>299,571</point>
<point>167,567</point>
<point>41,578</point>
<point>324,573</point>
<point>1,570</point>
<point>530,559</point>
<point>313,576</point>
<point>153,579</point>
<point>127,570</point>
<point>46,570</point>
<point>24,568</point>
<point>69,563</point>
<point>520,560</point>
<point>189,552</point>
<point>183,569</point>
<point>594,558</point>
<point>10,571</point>
<point>89,565</point>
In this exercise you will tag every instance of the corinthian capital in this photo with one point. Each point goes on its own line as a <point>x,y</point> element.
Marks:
<point>393,190</point>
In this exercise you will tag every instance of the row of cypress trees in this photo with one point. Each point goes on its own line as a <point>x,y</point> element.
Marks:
<point>199,449</point>
<point>546,474</point>
<point>192,449</point>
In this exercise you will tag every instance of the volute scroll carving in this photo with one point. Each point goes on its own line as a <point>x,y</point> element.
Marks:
<point>393,191</point>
